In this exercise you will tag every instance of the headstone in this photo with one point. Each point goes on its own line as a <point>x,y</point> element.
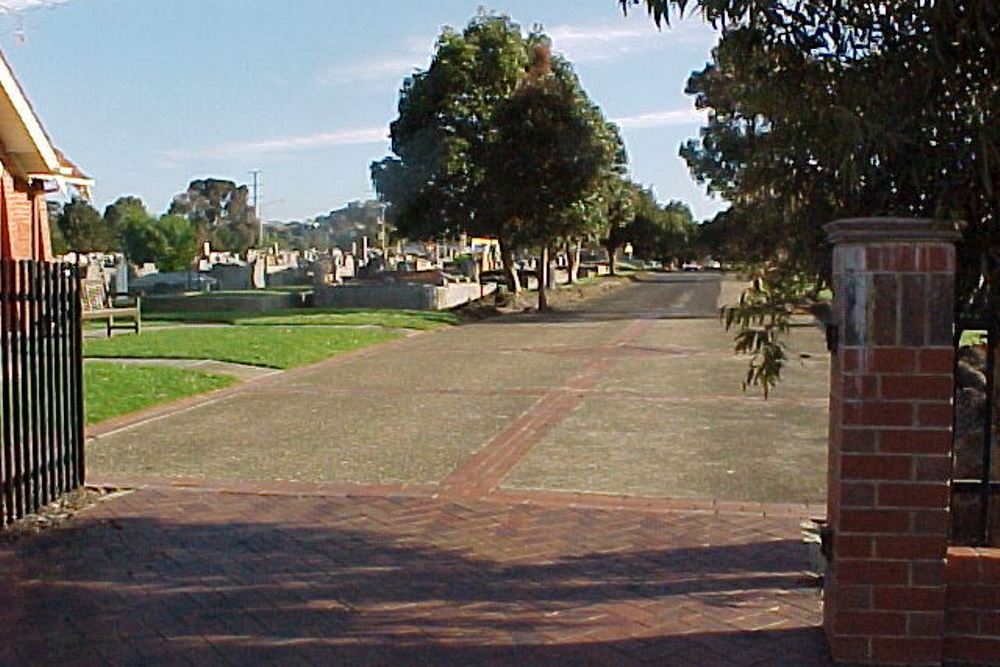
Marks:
<point>259,274</point>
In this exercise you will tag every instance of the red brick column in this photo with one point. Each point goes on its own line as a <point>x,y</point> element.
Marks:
<point>890,439</point>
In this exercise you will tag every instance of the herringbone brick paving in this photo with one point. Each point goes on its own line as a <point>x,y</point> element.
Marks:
<point>196,577</point>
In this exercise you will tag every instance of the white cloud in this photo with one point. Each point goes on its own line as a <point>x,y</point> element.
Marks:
<point>666,118</point>
<point>13,6</point>
<point>582,43</point>
<point>349,137</point>
<point>380,135</point>
<point>415,55</point>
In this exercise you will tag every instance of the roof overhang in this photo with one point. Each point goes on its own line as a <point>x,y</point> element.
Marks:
<point>27,151</point>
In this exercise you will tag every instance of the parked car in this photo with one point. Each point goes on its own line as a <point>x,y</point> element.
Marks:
<point>711,265</point>
<point>691,266</point>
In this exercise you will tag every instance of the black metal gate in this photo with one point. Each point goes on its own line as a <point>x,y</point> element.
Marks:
<point>41,399</point>
<point>975,506</point>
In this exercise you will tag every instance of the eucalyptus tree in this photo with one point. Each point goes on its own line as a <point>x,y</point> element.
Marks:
<point>460,144</point>
<point>820,109</point>
<point>220,211</point>
<point>433,183</point>
<point>83,229</point>
<point>661,232</point>
<point>620,198</point>
<point>550,150</point>
<point>828,108</point>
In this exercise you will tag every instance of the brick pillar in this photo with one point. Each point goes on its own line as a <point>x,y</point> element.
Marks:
<point>890,439</point>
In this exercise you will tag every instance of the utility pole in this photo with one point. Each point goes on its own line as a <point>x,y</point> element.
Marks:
<point>256,206</point>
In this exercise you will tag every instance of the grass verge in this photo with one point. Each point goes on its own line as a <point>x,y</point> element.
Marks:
<point>272,346</point>
<point>396,319</point>
<point>112,389</point>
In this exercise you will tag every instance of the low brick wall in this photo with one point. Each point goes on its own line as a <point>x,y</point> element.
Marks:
<point>972,606</point>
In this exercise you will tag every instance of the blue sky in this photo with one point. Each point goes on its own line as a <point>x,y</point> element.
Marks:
<point>147,94</point>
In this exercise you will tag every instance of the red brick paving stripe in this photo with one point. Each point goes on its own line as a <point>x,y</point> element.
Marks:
<point>650,504</point>
<point>484,471</point>
<point>267,488</point>
<point>166,409</point>
<point>532,498</point>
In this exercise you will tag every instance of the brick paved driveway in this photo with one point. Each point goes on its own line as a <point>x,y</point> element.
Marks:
<point>513,510</point>
<point>212,577</point>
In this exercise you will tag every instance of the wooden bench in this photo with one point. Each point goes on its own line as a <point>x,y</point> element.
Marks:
<point>99,305</point>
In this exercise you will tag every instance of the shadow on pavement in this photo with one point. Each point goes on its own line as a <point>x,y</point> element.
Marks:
<point>135,591</point>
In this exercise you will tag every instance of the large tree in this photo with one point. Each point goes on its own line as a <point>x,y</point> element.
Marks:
<point>171,242</point>
<point>221,213</point>
<point>821,109</point>
<point>439,181</point>
<point>550,149</point>
<point>619,198</point>
<point>180,243</point>
<point>83,228</point>
<point>141,240</point>
<point>432,182</point>
<point>827,108</point>
<point>123,208</point>
<point>661,232</point>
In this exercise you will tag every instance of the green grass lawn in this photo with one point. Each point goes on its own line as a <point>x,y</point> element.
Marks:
<point>396,319</point>
<point>269,346</point>
<point>115,389</point>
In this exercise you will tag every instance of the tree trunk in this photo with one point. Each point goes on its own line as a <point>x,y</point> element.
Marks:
<point>573,254</point>
<point>550,269</point>
<point>543,280</point>
<point>509,270</point>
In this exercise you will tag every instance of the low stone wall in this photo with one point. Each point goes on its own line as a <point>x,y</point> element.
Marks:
<point>402,296</point>
<point>587,270</point>
<point>458,294</point>
<point>253,303</point>
<point>972,606</point>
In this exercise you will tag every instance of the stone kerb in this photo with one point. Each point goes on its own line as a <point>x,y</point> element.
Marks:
<point>890,439</point>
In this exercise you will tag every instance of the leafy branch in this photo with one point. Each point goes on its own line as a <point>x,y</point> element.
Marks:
<point>762,320</point>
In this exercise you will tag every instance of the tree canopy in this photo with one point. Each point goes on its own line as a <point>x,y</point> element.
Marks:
<point>170,242</point>
<point>549,150</point>
<point>221,213</point>
<point>495,138</point>
<point>664,233</point>
<point>822,109</point>
<point>83,229</point>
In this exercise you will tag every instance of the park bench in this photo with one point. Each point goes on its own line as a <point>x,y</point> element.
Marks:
<point>99,305</point>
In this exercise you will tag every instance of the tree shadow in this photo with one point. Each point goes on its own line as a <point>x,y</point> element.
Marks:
<point>144,592</point>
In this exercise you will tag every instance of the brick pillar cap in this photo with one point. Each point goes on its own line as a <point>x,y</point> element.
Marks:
<point>889,230</point>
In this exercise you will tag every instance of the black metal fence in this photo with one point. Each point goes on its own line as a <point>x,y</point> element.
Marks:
<point>41,399</point>
<point>975,506</point>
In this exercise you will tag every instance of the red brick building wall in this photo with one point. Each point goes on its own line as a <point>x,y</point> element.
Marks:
<point>24,220</point>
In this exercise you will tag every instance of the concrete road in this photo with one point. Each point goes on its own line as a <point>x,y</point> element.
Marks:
<point>634,392</point>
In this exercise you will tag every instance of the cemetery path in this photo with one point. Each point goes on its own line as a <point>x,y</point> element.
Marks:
<point>633,392</point>
<point>583,488</point>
